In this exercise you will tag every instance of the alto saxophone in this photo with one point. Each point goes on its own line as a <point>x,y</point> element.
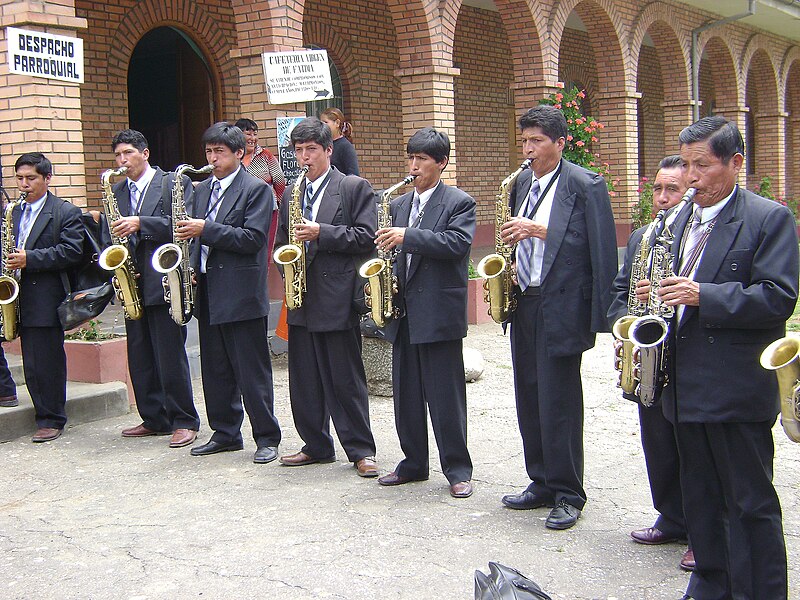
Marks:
<point>172,259</point>
<point>9,285</point>
<point>117,257</point>
<point>642,360</point>
<point>381,286</point>
<point>496,268</point>
<point>783,357</point>
<point>293,255</point>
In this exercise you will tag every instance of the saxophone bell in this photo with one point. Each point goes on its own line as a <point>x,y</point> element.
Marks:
<point>783,357</point>
<point>623,353</point>
<point>371,271</point>
<point>647,333</point>
<point>9,286</point>
<point>292,255</point>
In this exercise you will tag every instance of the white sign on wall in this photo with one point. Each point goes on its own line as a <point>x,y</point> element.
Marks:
<point>45,55</point>
<point>297,76</point>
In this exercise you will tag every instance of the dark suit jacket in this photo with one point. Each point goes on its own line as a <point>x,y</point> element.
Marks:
<point>48,253</point>
<point>236,270</point>
<point>333,260</point>
<point>580,258</point>
<point>748,278</point>
<point>434,290</point>
<point>155,222</point>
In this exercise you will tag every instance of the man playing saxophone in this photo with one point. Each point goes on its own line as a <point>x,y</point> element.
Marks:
<point>229,221</point>
<point>44,256</point>
<point>736,260</point>
<point>658,435</point>
<point>156,352</point>
<point>326,374</point>
<point>433,226</point>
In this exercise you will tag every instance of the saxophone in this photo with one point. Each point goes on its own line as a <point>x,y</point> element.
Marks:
<point>293,255</point>
<point>783,357</point>
<point>117,257</point>
<point>496,268</point>
<point>172,259</point>
<point>9,286</point>
<point>641,357</point>
<point>382,282</point>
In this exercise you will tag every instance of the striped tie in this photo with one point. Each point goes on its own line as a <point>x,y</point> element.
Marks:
<point>213,209</point>
<point>24,224</point>
<point>525,247</point>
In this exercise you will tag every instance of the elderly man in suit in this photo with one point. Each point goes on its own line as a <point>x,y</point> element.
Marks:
<point>326,375</point>
<point>44,256</point>
<point>433,226</point>
<point>566,259</point>
<point>156,344</point>
<point>736,260</point>
<point>658,435</point>
<point>230,223</point>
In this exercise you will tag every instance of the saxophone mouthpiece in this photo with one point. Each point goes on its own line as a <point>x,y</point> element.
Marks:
<point>410,178</point>
<point>688,195</point>
<point>526,163</point>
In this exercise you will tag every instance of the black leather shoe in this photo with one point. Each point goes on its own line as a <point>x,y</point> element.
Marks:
<point>653,536</point>
<point>213,447</point>
<point>563,516</point>
<point>265,454</point>
<point>526,501</point>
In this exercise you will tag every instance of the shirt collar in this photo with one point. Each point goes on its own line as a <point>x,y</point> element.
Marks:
<point>313,184</point>
<point>36,204</point>
<point>426,195</point>
<point>226,181</point>
<point>144,180</point>
<point>545,179</point>
<point>711,212</point>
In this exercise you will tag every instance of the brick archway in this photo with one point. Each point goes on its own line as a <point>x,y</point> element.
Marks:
<point>719,83</point>
<point>110,42</point>
<point>663,74</point>
<point>764,127</point>
<point>792,107</point>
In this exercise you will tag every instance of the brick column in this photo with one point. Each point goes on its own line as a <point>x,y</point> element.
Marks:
<point>428,101</point>
<point>771,151</point>
<point>677,115</point>
<point>38,114</point>
<point>793,147</point>
<point>619,146</point>
<point>737,114</point>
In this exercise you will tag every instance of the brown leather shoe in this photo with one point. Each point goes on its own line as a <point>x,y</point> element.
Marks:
<point>182,437</point>
<point>299,459</point>
<point>141,431</point>
<point>367,467</point>
<point>652,536</point>
<point>46,434</point>
<point>9,401</point>
<point>462,489</point>
<point>687,562</point>
<point>394,479</point>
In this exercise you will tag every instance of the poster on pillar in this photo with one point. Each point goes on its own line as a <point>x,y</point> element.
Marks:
<point>43,54</point>
<point>286,156</point>
<point>298,76</point>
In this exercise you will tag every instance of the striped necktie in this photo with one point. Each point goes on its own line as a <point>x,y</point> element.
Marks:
<point>525,247</point>
<point>213,209</point>
<point>135,200</point>
<point>412,222</point>
<point>24,224</point>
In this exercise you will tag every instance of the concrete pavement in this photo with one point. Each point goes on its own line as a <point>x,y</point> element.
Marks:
<point>93,515</point>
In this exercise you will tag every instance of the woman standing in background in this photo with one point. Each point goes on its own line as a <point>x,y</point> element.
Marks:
<point>262,163</point>
<point>344,154</point>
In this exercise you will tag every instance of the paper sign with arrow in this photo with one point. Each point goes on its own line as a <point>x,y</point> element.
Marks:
<point>297,76</point>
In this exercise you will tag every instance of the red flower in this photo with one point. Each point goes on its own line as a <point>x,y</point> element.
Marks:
<point>557,106</point>
<point>569,138</point>
<point>559,97</point>
<point>579,143</point>
<point>594,139</point>
<point>560,85</point>
<point>581,94</point>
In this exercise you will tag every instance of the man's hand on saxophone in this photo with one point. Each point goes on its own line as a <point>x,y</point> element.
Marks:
<point>307,231</point>
<point>520,228</point>
<point>17,259</point>
<point>679,290</point>
<point>125,226</point>
<point>190,228</point>
<point>389,237</point>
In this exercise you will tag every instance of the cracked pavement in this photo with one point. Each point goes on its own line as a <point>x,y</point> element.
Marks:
<point>93,515</point>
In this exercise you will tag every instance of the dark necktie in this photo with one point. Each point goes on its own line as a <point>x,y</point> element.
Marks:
<point>213,209</point>
<point>412,222</point>
<point>308,209</point>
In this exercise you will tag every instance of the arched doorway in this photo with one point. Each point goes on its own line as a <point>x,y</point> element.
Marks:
<point>170,96</point>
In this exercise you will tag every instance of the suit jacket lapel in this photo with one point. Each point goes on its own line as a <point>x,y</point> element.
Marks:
<point>202,195</point>
<point>152,195</point>
<point>563,204</point>
<point>230,197</point>
<point>328,205</point>
<point>432,212</point>
<point>523,186</point>
<point>41,221</point>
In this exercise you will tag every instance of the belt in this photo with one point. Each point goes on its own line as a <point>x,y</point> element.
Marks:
<point>534,291</point>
